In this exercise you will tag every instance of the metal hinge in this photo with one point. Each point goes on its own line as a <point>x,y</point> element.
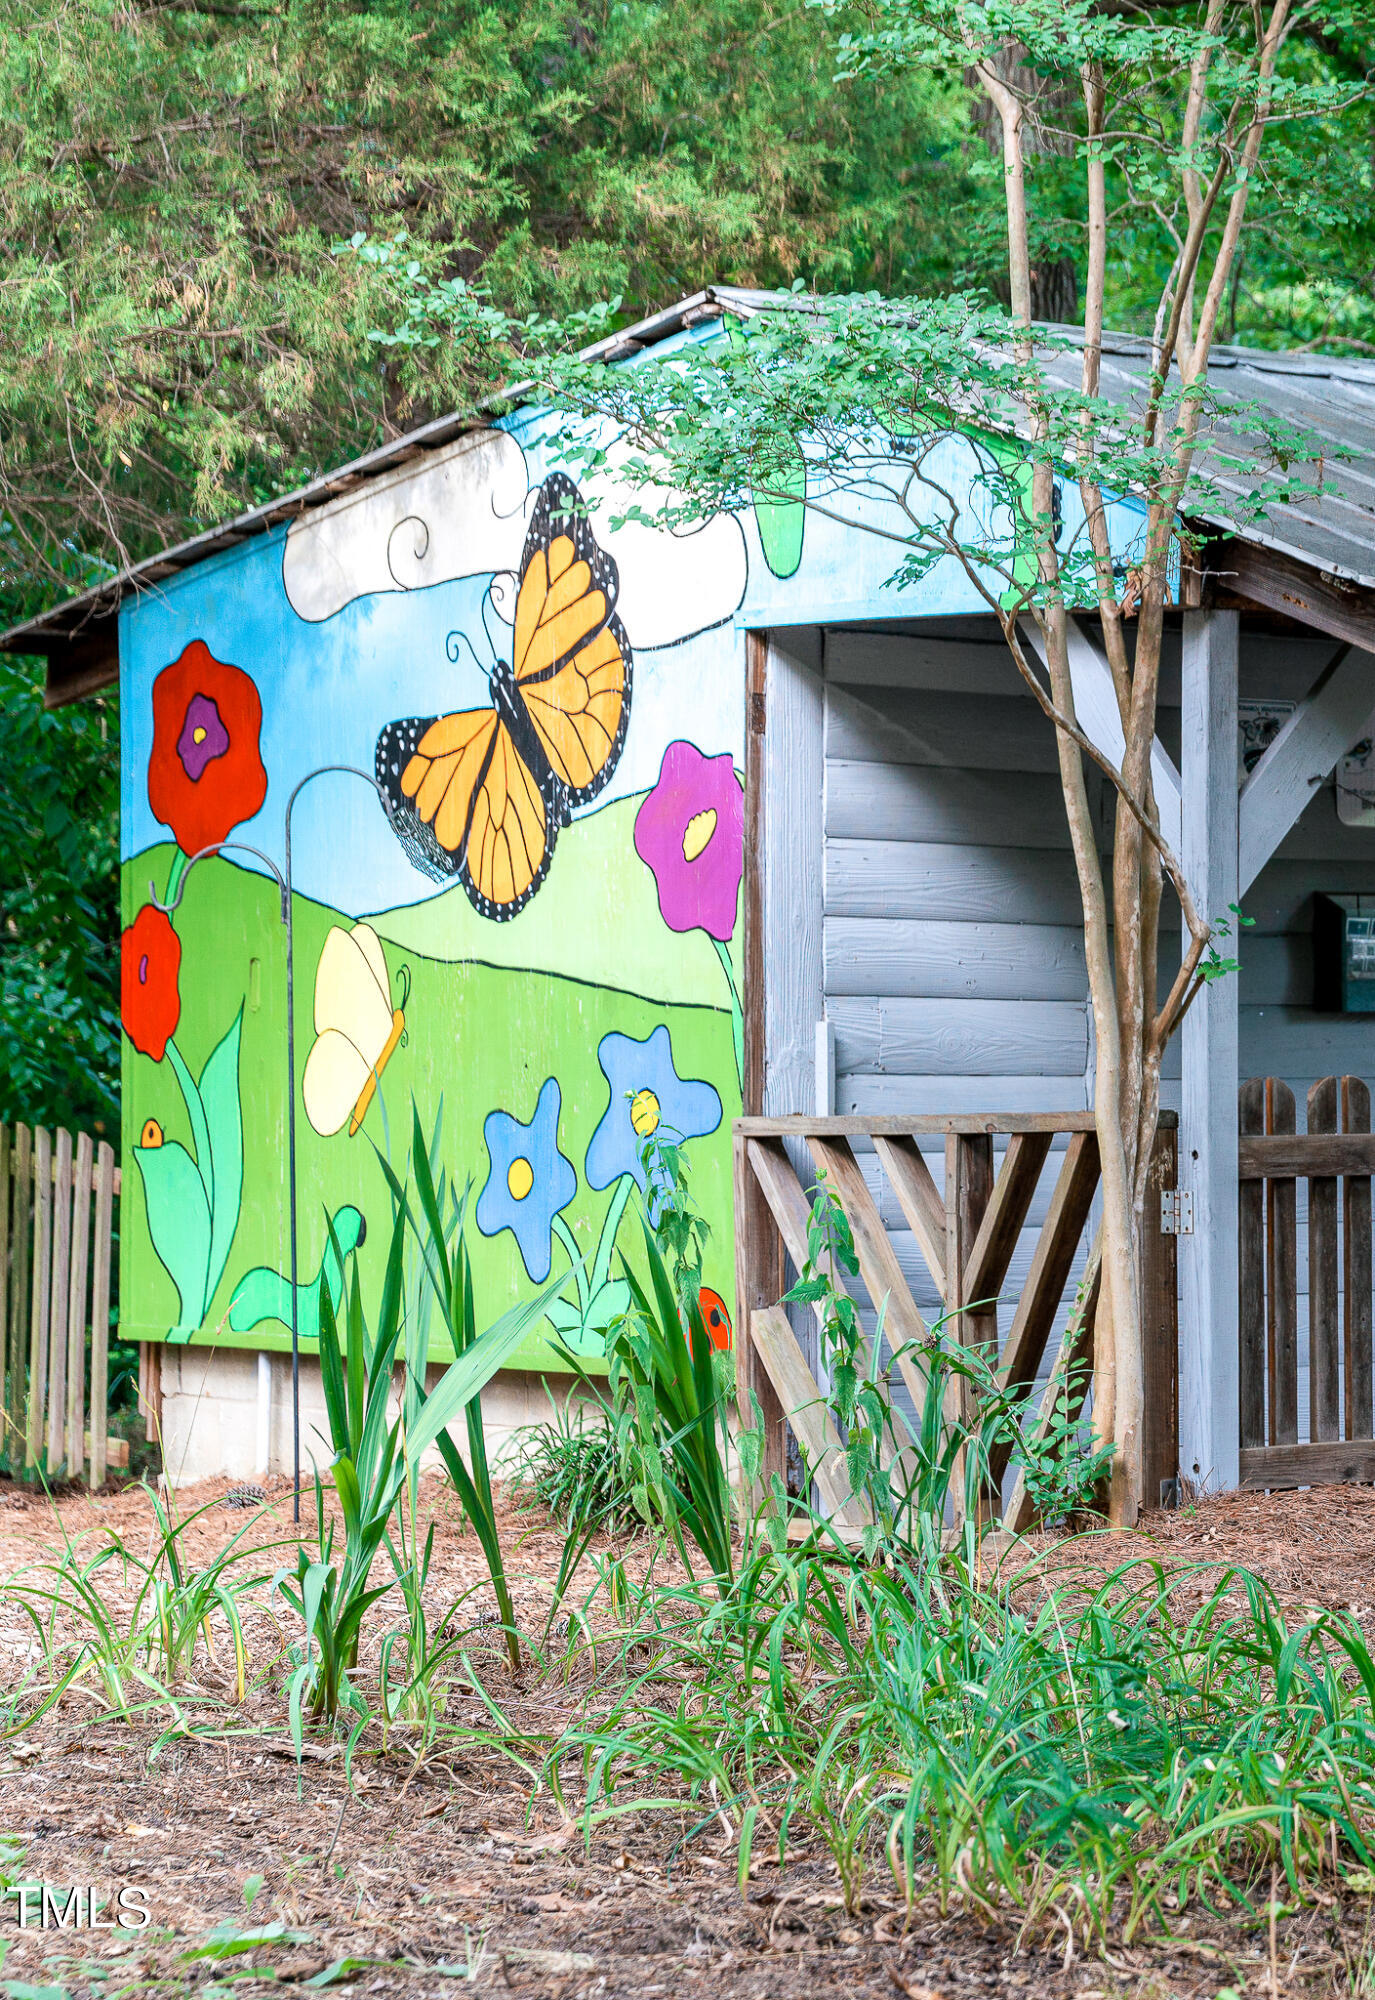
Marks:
<point>1176,1212</point>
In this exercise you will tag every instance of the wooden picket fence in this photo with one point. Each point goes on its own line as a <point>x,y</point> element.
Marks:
<point>57,1200</point>
<point>1335,1152</point>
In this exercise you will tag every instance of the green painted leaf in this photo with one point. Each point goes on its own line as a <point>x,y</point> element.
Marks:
<point>179,1224</point>
<point>782,523</point>
<point>263,1294</point>
<point>219,1089</point>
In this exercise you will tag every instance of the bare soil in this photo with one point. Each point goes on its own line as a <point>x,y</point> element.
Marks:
<point>439,1874</point>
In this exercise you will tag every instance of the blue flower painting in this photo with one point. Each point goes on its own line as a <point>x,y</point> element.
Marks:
<point>647,1097</point>
<point>530,1180</point>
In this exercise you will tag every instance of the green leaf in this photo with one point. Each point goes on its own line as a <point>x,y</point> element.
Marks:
<point>345,1968</point>
<point>471,1372</point>
<point>228,1941</point>
<point>219,1089</point>
<point>179,1224</point>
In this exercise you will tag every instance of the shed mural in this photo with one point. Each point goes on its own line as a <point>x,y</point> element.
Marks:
<point>506,727</point>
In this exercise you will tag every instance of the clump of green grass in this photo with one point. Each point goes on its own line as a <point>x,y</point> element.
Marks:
<point>571,1465</point>
<point>1098,1754</point>
<point>129,1627</point>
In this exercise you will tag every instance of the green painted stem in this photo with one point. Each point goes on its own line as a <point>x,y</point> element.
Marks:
<point>601,1266</point>
<point>565,1236</point>
<point>180,864</point>
<point>737,1018</point>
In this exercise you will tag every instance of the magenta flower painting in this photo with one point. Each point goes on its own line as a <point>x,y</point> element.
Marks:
<point>690,834</point>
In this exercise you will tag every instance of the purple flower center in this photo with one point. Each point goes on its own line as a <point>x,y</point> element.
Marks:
<point>143,970</point>
<point>203,736</point>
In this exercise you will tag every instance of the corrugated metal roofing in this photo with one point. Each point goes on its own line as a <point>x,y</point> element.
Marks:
<point>1331,399</point>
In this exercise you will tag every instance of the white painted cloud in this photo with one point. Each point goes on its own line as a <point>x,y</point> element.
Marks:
<point>462,513</point>
<point>465,513</point>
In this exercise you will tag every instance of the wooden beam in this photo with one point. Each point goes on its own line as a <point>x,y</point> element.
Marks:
<point>1209,1405</point>
<point>1160,1328</point>
<point>1330,718</point>
<point>758,1282</point>
<point>929,1124</point>
<point>80,667</point>
<point>783,1192</point>
<point>1287,1155</point>
<point>1052,1262</point>
<point>793,776</point>
<point>1006,1212</point>
<point>1326,603</point>
<point>785,1365</point>
<point>1347,1461</point>
<point>878,1264</point>
<point>1020,1513</point>
<point>918,1198</point>
<point>755,969</point>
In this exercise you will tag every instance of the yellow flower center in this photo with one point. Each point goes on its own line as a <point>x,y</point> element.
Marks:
<point>151,1135</point>
<point>198,736</point>
<point>520,1178</point>
<point>698,832</point>
<point>644,1112</point>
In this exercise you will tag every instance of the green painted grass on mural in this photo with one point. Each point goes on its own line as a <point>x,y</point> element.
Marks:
<point>479,1035</point>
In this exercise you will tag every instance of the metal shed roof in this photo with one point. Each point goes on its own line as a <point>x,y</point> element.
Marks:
<point>1333,537</point>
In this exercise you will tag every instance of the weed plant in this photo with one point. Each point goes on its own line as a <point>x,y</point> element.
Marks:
<point>1096,1755</point>
<point>127,1625</point>
<point>571,1465</point>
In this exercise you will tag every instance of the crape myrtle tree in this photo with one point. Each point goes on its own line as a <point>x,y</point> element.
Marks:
<point>962,433</point>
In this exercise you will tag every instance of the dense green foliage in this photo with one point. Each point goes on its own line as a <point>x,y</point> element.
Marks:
<point>59,908</point>
<point>180,340</point>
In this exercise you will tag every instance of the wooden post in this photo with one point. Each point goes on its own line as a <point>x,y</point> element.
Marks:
<point>76,1309</point>
<point>1324,1354</point>
<point>58,1301</point>
<point>1282,1274</point>
<point>756,1287</point>
<point>1253,1365</point>
<point>100,1313</point>
<point>968,1185</point>
<point>1356,1270</point>
<point>1209,1374</point>
<point>21,1241</point>
<point>1160,1329</point>
<point>42,1292</point>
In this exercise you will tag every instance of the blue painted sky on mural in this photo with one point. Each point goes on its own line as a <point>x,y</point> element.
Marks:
<point>329,685</point>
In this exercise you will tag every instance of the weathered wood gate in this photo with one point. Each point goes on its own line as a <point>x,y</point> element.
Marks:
<point>1337,1149</point>
<point>56,1228</point>
<point>966,1236</point>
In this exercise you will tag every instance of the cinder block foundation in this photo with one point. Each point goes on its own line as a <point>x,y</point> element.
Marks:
<point>226,1413</point>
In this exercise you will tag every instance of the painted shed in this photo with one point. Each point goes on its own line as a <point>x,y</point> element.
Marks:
<point>592,831</point>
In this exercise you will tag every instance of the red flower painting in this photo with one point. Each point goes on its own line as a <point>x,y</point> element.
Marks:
<point>690,833</point>
<point>149,967</point>
<point>205,774</point>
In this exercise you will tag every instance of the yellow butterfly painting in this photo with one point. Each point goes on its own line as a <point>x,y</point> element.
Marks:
<point>357,1029</point>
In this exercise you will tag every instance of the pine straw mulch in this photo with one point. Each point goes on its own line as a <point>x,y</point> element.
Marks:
<point>433,1869</point>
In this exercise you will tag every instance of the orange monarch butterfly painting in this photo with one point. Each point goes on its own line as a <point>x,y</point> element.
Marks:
<point>482,794</point>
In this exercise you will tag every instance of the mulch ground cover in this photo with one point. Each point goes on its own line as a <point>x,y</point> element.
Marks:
<point>435,1873</point>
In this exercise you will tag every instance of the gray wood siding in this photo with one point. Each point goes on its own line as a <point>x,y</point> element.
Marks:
<point>953,957</point>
